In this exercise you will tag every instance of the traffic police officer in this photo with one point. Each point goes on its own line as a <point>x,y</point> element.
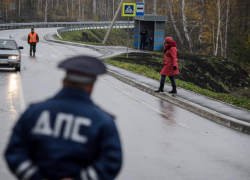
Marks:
<point>33,39</point>
<point>67,136</point>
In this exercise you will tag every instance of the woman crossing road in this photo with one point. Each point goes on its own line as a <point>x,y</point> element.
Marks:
<point>170,66</point>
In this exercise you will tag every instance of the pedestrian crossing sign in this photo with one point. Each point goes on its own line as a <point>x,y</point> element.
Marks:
<point>129,9</point>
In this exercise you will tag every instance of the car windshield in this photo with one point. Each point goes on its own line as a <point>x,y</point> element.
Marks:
<point>7,45</point>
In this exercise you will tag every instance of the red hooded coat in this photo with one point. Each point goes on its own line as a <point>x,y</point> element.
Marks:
<point>170,59</point>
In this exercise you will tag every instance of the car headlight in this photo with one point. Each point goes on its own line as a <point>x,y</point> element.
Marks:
<point>13,57</point>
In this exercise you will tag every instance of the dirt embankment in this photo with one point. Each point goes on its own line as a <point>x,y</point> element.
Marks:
<point>208,72</point>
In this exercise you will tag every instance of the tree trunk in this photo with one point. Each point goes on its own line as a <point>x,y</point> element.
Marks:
<point>218,28</point>
<point>221,44</point>
<point>79,8</point>
<point>67,10</point>
<point>94,6</point>
<point>83,10</point>
<point>173,21</point>
<point>19,7</point>
<point>226,30</point>
<point>184,21</point>
<point>213,37</point>
<point>155,4</point>
<point>46,11</point>
<point>202,24</point>
<point>72,8</point>
<point>113,8</point>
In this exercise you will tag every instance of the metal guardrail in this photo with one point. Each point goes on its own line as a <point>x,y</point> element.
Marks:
<point>61,24</point>
<point>99,25</point>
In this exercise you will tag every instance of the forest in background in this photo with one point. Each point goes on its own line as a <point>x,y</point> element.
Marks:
<point>211,27</point>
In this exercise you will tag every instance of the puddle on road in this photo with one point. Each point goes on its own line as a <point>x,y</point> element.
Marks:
<point>168,111</point>
<point>13,94</point>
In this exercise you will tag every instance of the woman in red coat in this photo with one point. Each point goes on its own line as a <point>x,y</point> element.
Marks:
<point>170,66</point>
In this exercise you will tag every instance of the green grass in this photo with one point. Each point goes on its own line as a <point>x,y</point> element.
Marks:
<point>118,37</point>
<point>150,72</point>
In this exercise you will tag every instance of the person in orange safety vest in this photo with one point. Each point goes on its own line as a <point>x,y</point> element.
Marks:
<point>33,39</point>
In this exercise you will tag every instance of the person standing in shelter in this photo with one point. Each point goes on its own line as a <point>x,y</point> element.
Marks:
<point>143,34</point>
<point>33,39</point>
<point>170,65</point>
<point>67,137</point>
<point>151,40</point>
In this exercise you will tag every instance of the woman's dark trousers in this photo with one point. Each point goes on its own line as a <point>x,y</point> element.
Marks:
<point>172,80</point>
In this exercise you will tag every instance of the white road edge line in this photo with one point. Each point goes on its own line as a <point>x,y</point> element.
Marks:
<point>146,104</point>
<point>21,95</point>
<point>59,53</point>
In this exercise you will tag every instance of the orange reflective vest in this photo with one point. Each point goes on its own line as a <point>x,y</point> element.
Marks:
<point>33,37</point>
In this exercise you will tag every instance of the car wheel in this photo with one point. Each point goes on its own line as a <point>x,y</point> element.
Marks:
<point>18,68</point>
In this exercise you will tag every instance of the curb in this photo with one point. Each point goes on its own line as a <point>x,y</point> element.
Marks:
<point>195,108</point>
<point>78,44</point>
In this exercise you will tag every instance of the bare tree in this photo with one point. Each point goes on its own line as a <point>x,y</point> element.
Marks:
<point>226,28</point>
<point>46,11</point>
<point>203,2</point>
<point>155,4</point>
<point>113,8</point>
<point>67,7</point>
<point>170,5</point>
<point>221,45</point>
<point>184,21</point>
<point>218,3</point>
<point>19,7</point>
<point>94,6</point>
<point>79,7</point>
<point>83,10</point>
<point>72,8</point>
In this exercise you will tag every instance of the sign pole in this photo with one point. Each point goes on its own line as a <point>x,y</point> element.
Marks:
<point>128,10</point>
<point>128,37</point>
<point>140,10</point>
<point>139,33</point>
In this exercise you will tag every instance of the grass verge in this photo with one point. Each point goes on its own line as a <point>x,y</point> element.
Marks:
<point>118,37</point>
<point>150,72</point>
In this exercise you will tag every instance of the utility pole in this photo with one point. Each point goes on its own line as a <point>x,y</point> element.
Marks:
<point>112,23</point>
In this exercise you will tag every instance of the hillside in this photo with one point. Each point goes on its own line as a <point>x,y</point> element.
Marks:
<point>208,72</point>
<point>118,37</point>
<point>216,77</point>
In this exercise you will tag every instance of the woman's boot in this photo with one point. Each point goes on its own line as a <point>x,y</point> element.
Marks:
<point>173,90</point>
<point>160,88</point>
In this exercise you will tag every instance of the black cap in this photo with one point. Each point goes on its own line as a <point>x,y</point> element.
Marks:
<point>32,28</point>
<point>83,69</point>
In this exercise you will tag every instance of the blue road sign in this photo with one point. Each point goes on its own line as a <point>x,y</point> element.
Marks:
<point>140,9</point>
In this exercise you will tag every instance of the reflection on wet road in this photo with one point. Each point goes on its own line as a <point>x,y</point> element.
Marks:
<point>160,140</point>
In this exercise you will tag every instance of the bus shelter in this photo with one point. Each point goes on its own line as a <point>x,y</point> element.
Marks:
<point>155,25</point>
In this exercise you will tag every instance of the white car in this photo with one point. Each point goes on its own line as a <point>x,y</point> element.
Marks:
<point>10,55</point>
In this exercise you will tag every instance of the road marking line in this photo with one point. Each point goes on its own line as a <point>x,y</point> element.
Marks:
<point>21,95</point>
<point>142,102</point>
<point>60,54</point>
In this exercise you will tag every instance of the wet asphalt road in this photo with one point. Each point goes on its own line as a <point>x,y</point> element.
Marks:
<point>160,141</point>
